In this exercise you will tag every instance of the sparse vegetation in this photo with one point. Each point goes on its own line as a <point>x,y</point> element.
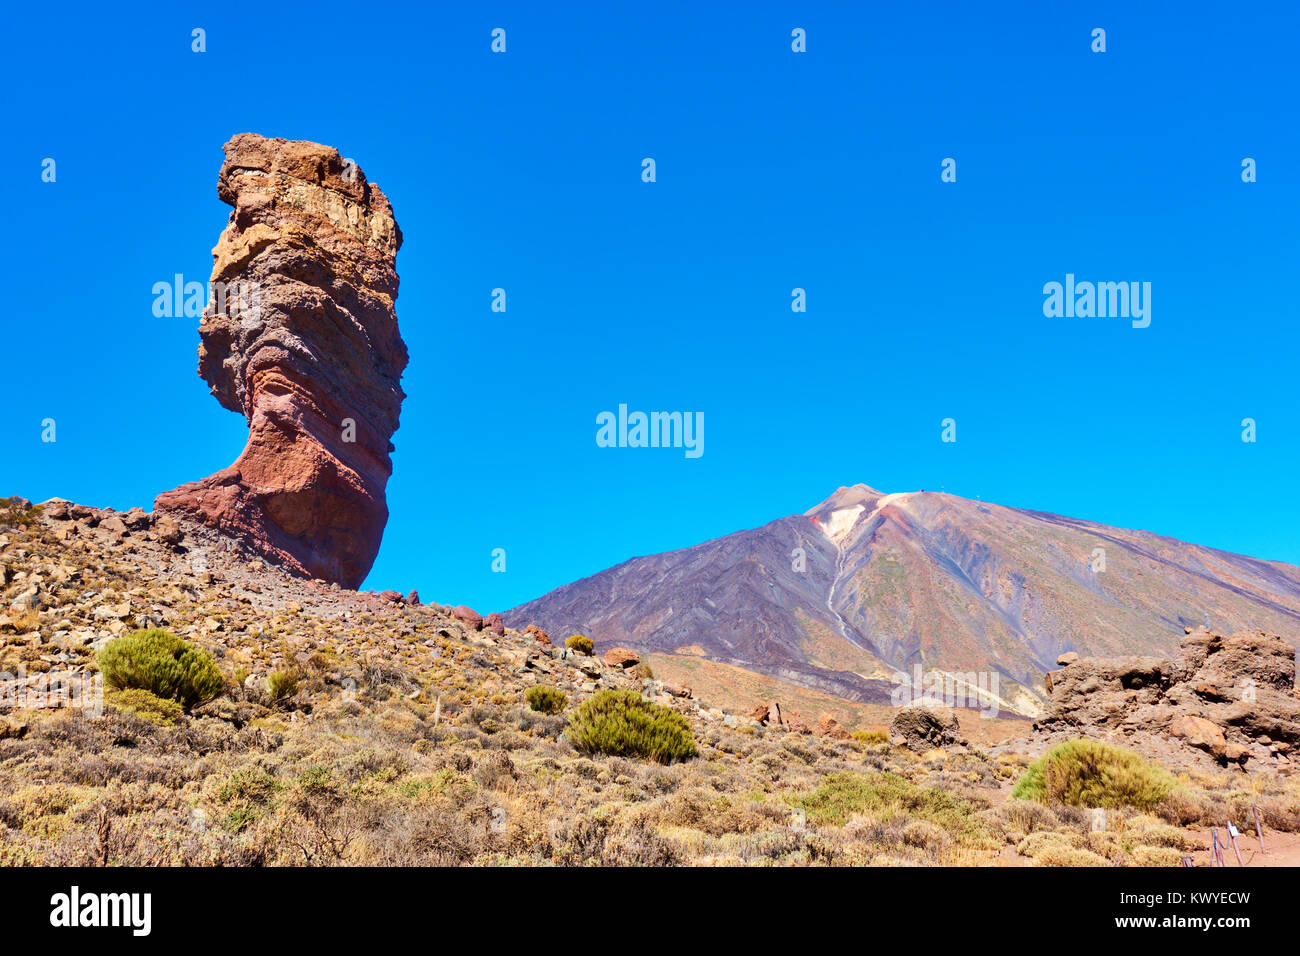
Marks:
<point>145,705</point>
<point>580,643</point>
<point>421,731</point>
<point>625,724</point>
<point>158,661</point>
<point>546,700</point>
<point>871,737</point>
<point>15,512</point>
<point>887,797</point>
<point>281,685</point>
<point>1088,773</point>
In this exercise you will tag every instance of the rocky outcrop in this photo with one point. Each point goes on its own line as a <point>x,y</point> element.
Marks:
<point>621,657</point>
<point>925,725</point>
<point>468,616</point>
<point>1231,698</point>
<point>300,336</point>
<point>828,726</point>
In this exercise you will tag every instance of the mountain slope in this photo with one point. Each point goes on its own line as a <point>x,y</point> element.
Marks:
<point>865,585</point>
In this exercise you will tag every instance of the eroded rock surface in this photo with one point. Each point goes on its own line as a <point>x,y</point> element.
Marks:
<point>301,337</point>
<point>924,725</point>
<point>1232,698</point>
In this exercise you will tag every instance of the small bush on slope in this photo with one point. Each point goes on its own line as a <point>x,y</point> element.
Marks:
<point>160,662</point>
<point>622,723</point>
<point>15,512</point>
<point>546,700</point>
<point>1087,773</point>
<point>281,685</point>
<point>146,705</point>
<point>580,643</point>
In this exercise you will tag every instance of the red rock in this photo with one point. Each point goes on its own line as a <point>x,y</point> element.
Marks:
<point>468,616</point>
<point>621,657</point>
<point>1236,753</point>
<point>308,350</point>
<point>1208,691</point>
<point>168,531</point>
<point>796,725</point>
<point>113,524</point>
<point>57,508</point>
<point>1202,733</point>
<point>494,623</point>
<point>828,726</point>
<point>390,597</point>
<point>412,599</point>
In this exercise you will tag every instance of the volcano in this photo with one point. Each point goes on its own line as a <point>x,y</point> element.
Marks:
<point>864,587</point>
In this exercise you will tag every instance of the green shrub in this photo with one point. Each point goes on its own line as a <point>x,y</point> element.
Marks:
<point>888,796</point>
<point>546,700</point>
<point>622,723</point>
<point>1087,773</point>
<point>145,705</point>
<point>281,685</point>
<point>580,643</point>
<point>161,663</point>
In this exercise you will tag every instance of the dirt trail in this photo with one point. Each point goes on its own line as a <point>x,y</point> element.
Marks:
<point>1280,849</point>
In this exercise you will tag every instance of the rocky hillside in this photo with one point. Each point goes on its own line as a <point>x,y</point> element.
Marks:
<point>361,728</point>
<point>865,585</point>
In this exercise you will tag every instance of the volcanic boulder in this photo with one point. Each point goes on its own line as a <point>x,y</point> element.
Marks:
<point>925,725</point>
<point>300,336</point>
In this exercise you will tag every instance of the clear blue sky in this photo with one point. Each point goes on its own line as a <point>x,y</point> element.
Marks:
<point>775,170</point>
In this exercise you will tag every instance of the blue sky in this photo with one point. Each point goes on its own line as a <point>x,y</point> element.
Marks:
<point>775,170</point>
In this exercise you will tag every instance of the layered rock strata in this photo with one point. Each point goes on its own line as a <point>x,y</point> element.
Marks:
<point>300,336</point>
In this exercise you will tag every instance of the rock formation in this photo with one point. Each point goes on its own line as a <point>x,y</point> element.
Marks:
<point>1232,698</point>
<point>300,336</point>
<point>925,724</point>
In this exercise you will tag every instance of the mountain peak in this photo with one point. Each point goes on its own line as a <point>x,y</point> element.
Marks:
<point>847,497</point>
<point>867,585</point>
